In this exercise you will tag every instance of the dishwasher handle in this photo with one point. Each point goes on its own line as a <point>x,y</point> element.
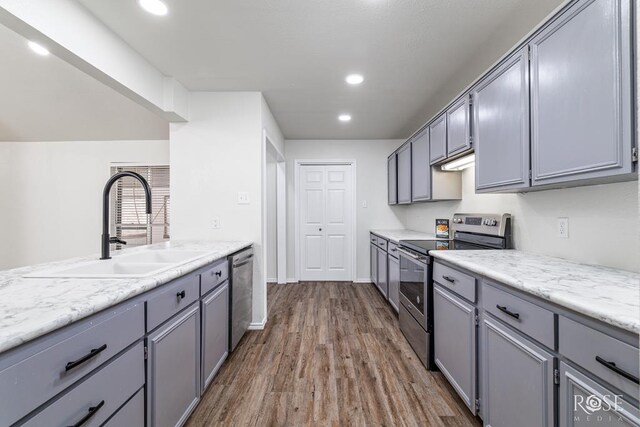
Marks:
<point>243,261</point>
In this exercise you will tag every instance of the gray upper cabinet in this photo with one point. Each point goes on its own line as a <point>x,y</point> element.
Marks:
<point>581,94</point>
<point>458,127</point>
<point>501,126</point>
<point>517,378</point>
<point>438,139</point>
<point>404,174</point>
<point>454,332</point>
<point>392,179</point>
<point>420,168</point>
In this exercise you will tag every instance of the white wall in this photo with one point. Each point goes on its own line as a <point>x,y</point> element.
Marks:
<point>217,154</point>
<point>51,195</point>
<point>371,186</point>
<point>603,220</point>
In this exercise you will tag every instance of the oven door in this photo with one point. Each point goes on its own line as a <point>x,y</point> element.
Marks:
<point>414,273</point>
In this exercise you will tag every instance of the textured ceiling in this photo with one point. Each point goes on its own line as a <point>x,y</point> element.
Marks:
<point>46,99</point>
<point>297,52</point>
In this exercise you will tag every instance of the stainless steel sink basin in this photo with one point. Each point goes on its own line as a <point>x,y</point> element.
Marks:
<point>134,265</point>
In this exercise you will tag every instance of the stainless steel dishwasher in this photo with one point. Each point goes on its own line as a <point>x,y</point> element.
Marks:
<point>241,295</point>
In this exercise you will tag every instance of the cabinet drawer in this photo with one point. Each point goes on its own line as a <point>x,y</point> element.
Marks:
<point>101,394</point>
<point>214,276</point>
<point>534,321</point>
<point>392,249</point>
<point>373,238</point>
<point>131,414</point>
<point>382,243</point>
<point>36,379</point>
<point>171,300</point>
<point>583,344</point>
<point>456,281</point>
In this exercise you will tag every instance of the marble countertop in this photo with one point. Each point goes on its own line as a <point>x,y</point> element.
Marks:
<point>606,294</point>
<point>32,307</point>
<point>397,235</point>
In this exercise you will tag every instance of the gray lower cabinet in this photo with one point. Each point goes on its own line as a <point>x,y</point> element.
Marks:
<point>404,174</point>
<point>501,126</point>
<point>373,252</point>
<point>581,94</point>
<point>458,127</point>
<point>173,369</point>
<point>517,378</point>
<point>420,168</point>
<point>382,272</point>
<point>438,139</point>
<point>586,402</point>
<point>131,414</point>
<point>455,334</point>
<point>392,179</point>
<point>99,396</point>
<point>394,281</point>
<point>215,332</point>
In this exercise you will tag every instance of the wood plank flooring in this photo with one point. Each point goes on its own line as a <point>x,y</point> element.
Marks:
<point>331,354</point>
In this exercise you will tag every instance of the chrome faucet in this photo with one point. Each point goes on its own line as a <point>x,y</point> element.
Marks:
<point>106,240</point>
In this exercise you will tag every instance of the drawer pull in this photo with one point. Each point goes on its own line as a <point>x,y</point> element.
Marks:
<point>219,273</point>
<point>181,295</point>
<point>92,411</point>
<point>614,368</point>
<point>93,353</point>
<point>449,279</point>
<point>506,311</point>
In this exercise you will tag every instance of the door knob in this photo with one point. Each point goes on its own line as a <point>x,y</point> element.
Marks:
<point>319,229</point>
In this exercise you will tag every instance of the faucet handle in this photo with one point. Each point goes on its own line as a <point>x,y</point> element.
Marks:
<point>117,240</point>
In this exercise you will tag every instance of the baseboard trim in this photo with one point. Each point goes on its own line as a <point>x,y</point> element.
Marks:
<point>362,281</point>
<point>257,326</point>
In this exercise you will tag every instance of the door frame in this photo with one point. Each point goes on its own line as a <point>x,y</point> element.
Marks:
<point>296,215</point>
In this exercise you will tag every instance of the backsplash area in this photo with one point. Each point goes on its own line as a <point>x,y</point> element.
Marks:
<point>603,220</point>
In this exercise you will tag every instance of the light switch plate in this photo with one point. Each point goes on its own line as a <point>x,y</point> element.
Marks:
<point>215,222</point>
<point>563,228</point>
<point>243,198</point>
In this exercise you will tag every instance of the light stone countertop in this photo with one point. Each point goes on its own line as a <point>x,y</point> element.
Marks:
<point>606,294</point>
<point>32,307</point>
<point>397,235</point>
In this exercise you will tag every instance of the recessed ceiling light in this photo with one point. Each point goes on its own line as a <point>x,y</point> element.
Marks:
<point>39,49</point>
<point>344,117</point>
<point>155,7</point>
<point>354,79</point>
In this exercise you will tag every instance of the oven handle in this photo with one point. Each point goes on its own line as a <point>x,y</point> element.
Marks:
<point>424,260</point>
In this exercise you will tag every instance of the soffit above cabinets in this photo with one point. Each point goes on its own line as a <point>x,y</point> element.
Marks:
<point>298,54</point>
<point>46,99</point>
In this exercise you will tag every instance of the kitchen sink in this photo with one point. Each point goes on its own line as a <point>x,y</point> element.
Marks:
<point>134,265</point>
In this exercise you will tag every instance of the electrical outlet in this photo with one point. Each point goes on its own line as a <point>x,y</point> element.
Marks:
<point>216,222</point>
<point>243,198</point>
<point>563,228</point>
<point>364,204</point>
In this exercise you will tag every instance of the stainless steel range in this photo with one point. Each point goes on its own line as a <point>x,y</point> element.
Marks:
<point>471,231</point>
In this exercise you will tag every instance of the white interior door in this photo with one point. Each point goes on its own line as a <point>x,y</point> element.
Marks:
<point>325,218</point>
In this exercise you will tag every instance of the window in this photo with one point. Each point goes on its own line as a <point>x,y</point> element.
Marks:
<point>129,220</point>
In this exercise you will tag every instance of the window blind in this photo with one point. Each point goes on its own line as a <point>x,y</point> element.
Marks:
<point>129,220</point>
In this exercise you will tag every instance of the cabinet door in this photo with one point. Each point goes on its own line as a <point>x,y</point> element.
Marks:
<point>392,179</point>
<point>173,369</point>
<point>586,402</point>
<point>454,334</point>
<point>404,174</point>
<point>394,282</point>
<point>382,272</point>
<point>517,378</point>
<point>215,333</point>
<point>420,168</point>
<point>458,127</point>
<point>373,251</point>
<point>438,139</point>
<point>501,126</point>
<point>581,94</point>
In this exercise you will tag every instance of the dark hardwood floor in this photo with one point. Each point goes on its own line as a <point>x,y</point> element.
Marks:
<point>330,354</point>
